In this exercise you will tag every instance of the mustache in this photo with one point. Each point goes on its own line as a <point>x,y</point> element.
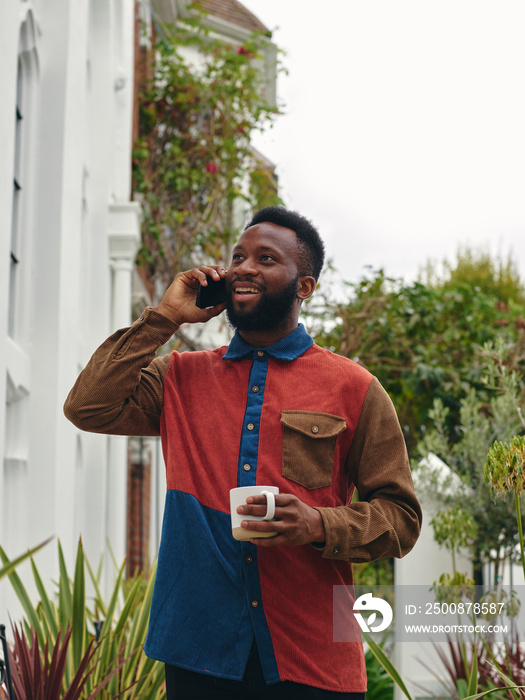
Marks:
<point>248,280</point>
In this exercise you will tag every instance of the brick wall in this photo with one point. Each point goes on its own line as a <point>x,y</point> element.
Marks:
<point>139,503</point>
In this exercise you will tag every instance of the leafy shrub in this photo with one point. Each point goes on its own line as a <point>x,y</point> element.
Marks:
<point>100,641</point>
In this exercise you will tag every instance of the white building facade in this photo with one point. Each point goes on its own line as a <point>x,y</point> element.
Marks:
<point>68,237</point>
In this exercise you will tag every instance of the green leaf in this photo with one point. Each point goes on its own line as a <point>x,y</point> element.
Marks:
<point>473,679</point>
<point>78,608</point>
<point>101,609</point>
<point>64,590</point>
<point>140,624</point>
<point>23,597</point>
<point>10,565</point>
<point>385,662</point>
<point>494,690</point>
<point>138,631</point>
<point>511,684</point>
<point>50,611</point>
<point>128,606</point>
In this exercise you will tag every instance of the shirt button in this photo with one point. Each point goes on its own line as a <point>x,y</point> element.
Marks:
<point>260,353</point>
<point>315,429</point>
<point>249,559</point>
<point>255,389</point>
<point>336,551</point>
<point>255,604</point>
<point>250,426</point>
<point>247,467</point>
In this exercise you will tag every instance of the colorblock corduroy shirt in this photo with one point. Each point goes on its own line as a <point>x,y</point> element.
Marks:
<point>292,415</point>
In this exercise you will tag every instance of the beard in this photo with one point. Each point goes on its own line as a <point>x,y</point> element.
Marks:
<point>271,311</point>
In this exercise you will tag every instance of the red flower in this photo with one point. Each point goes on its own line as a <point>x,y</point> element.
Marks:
<point>211,168</point>
<point>243,51</point>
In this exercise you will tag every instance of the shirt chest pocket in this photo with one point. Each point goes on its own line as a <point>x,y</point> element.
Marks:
<point>309,441</point>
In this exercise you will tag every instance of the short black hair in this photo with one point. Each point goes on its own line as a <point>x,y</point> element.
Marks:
<point>311,246</point>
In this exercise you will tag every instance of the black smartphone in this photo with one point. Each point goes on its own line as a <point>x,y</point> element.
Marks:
<point>212,294</point>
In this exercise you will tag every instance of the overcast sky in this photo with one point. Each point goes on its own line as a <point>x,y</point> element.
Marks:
<point>404,133</point>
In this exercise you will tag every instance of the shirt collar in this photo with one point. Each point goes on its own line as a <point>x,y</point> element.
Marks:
<point>289,348</point>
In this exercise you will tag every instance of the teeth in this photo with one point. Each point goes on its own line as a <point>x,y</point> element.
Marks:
<point>246,290</point>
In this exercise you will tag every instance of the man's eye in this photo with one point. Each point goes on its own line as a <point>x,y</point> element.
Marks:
<point>266,257</point>
<point>236,257</point>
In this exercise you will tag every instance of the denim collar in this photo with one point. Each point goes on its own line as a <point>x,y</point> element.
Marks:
<point>289,348</point>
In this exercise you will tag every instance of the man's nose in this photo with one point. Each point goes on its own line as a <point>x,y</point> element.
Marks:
<point>247,267</point>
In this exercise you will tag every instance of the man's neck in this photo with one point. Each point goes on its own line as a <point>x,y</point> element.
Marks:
<point>263,339</point>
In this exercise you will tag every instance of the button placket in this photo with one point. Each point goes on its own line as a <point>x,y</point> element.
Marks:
<point>249,447</point>
<point>251,580</point>
<point>247,475</point>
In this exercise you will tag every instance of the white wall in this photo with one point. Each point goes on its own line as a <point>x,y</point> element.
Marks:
<point>80,232</point>
<point>422,567</point>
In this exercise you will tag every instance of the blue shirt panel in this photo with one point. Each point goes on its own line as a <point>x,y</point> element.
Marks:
<point>199,616</point>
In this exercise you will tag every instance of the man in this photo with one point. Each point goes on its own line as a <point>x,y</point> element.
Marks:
<point>253,619</point>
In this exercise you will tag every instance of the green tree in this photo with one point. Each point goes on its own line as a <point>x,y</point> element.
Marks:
<point>423,341</point>
<point>496,276</point>
<point>494,413</point>
<point>420,340</point>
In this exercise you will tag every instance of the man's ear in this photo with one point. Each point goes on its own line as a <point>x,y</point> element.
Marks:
<point>305,287</point>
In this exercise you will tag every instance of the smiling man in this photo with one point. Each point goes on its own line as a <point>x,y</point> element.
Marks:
<point>266,289</point>
<point>253,619</point>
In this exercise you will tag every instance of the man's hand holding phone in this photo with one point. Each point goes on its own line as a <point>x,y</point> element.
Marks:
<point>211,294</point>
<point>179,303</point>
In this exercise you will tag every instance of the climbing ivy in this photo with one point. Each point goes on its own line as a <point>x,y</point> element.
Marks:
<point>195,170</point>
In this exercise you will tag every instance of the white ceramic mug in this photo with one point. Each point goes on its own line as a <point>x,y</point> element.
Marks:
<point>238,498</point>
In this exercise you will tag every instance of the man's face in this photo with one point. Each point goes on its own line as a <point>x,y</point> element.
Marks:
<point>262,279</point>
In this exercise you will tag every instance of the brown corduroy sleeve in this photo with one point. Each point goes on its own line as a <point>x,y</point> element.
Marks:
<point>386,520</point>
<point>120,391</point>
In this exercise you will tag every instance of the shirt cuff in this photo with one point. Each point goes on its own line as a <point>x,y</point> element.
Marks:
<point>333,547</point>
